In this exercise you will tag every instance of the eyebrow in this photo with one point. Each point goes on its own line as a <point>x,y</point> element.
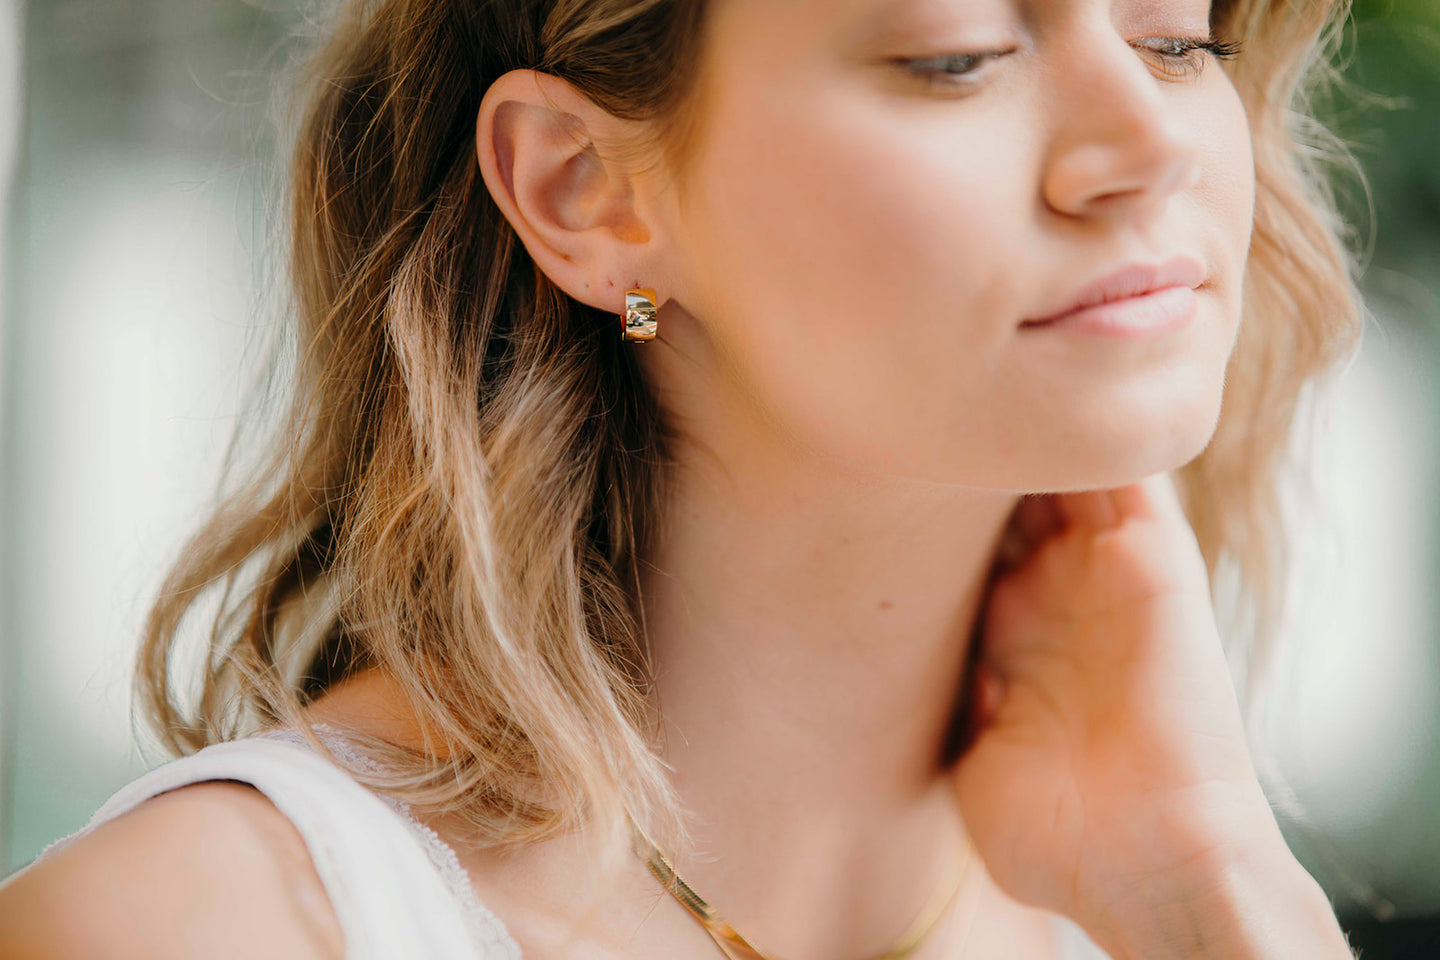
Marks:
<point>890,20</point>
<point>887,20</point>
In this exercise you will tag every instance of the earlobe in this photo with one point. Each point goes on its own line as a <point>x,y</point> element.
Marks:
<point>539,145</point>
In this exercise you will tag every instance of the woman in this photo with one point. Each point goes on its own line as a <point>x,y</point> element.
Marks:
<point>859,596</point>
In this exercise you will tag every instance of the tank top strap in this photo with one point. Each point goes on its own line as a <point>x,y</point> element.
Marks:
<point>387,894</point>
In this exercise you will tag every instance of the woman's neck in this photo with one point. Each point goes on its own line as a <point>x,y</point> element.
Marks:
<point>808,639</point>
<point>809,634</point>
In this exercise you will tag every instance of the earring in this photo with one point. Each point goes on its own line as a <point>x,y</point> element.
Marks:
<point>641,315</point>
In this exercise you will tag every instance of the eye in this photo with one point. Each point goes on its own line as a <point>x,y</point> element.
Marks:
<point>1188,53</point>
<point>953,70</point>
<point>1183,57</point>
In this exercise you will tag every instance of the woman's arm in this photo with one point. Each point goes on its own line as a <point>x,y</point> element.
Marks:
<point>1255,903</point>
<point>1110,777</point>
<point>211,869</point>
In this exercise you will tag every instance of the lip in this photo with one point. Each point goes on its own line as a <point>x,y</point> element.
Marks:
<point>1137,297</point>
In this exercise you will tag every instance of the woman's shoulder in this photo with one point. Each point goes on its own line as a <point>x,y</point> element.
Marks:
<point>211,862</point>
<point>277,826</point>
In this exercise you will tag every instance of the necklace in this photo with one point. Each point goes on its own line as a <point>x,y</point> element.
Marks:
<point>736,947</point>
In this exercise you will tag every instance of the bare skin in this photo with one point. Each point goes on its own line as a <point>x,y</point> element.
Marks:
<point>212,869</point>
<point>843,277</point>
<point>216,867</point>
<point>534,890</point>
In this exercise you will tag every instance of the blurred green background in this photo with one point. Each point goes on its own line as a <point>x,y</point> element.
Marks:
<point>1392,55</point>
<point>132,205</point>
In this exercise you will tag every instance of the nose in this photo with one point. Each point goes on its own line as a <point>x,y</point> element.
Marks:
<point>1122,145</point>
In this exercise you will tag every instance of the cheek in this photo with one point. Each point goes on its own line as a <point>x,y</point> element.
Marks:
<point>1225,199</point>
<point>1114,416</point>
<point>868,257</point>
<point>863,266</point>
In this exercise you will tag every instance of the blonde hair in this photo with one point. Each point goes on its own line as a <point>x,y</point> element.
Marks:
<point>470,464</point>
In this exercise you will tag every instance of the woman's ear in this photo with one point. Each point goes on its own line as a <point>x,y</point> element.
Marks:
<point>551,159</point>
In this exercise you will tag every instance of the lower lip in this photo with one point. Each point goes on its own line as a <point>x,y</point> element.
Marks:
<point>1157,312</point>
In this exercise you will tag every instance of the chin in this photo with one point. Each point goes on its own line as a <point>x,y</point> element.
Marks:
<point>1155,447</point>
<point>1113,443</point>
<point>1116,439</point>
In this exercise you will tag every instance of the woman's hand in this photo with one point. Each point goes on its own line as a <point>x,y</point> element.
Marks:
<point>1109,759</point>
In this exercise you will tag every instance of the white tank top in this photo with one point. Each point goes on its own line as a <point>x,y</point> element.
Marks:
<point>397,889</point>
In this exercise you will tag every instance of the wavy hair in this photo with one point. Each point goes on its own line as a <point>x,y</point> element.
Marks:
<point>466,465</point>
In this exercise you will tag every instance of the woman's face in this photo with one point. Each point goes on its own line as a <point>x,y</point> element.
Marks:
<point>860,240</point>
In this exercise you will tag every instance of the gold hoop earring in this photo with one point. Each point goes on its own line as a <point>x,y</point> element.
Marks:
<point>641,315</point>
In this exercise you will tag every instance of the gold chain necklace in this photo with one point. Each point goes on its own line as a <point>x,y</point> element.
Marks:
<point>728,939</point>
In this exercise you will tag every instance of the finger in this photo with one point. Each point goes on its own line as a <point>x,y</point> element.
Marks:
<point>1033,520</point>
<point>1150,499</point>
<point>1012,549</point>
<point>1037,517</point>
<point>1091,508</point>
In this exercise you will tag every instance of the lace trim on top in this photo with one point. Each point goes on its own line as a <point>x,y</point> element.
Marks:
<point>486,929</point>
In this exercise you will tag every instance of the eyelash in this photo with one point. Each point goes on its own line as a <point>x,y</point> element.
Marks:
<point>1182,47</point>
